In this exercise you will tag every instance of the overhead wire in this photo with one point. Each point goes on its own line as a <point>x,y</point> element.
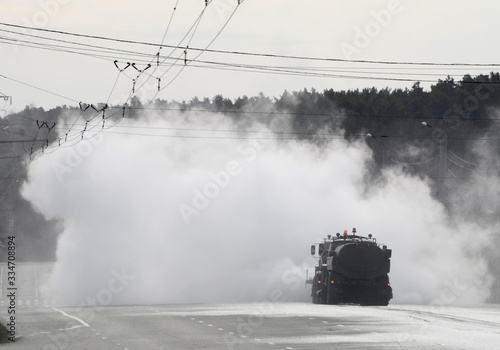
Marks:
<point>140,72</point>
<point>207,46</point>
<point>38,88</point>
<point>192,30</point>
<point>316,72</point>
<point>244,53</point>
<point>195,63</point>
<point>133,91</point>
<point>110,52</point>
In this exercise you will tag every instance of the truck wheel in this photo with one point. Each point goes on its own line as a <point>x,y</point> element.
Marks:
<point>315,298</point>
<point>335,299</point>
<point>383,301</point>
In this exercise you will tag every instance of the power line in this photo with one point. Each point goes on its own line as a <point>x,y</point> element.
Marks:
<point>22,141</point>
<point>318,72</point>
<point>107,53</point>
<point>333,114</point>
<point>38,88</point>
<point>280,136</point>
<point>243,53</point>
<point>91,126</point>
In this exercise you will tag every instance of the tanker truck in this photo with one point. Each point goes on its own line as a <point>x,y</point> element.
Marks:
<point>351,269</point>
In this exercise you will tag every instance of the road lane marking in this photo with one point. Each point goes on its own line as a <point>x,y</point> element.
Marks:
<point>82,322</point>
<point>1,283</point>
<point>69,328</point>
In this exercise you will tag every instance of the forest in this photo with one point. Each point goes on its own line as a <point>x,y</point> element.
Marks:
<point>438,133</point>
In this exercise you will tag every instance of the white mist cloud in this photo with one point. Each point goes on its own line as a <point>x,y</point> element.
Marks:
<point>257,205</point>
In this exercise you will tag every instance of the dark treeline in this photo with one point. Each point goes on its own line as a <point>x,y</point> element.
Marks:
<point>458,115</point>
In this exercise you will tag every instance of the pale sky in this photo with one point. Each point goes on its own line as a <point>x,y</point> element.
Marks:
<point>445,31</point>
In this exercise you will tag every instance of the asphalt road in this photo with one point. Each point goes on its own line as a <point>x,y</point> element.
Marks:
<point>256,326</point>
<point>40,324</point>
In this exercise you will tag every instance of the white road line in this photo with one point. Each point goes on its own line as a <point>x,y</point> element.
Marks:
<point>69,328</point>
<point>1,283</point>
<point>82,322</point>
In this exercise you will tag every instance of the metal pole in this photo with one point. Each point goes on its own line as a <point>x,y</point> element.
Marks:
<point>443,163</point>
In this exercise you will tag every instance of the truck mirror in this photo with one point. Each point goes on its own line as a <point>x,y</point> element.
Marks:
<point>313,249</point>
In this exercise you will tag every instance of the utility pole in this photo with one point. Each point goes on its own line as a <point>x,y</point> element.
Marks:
<point>443,164</point>
<point>386,151</point>
<point>443,161</point>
